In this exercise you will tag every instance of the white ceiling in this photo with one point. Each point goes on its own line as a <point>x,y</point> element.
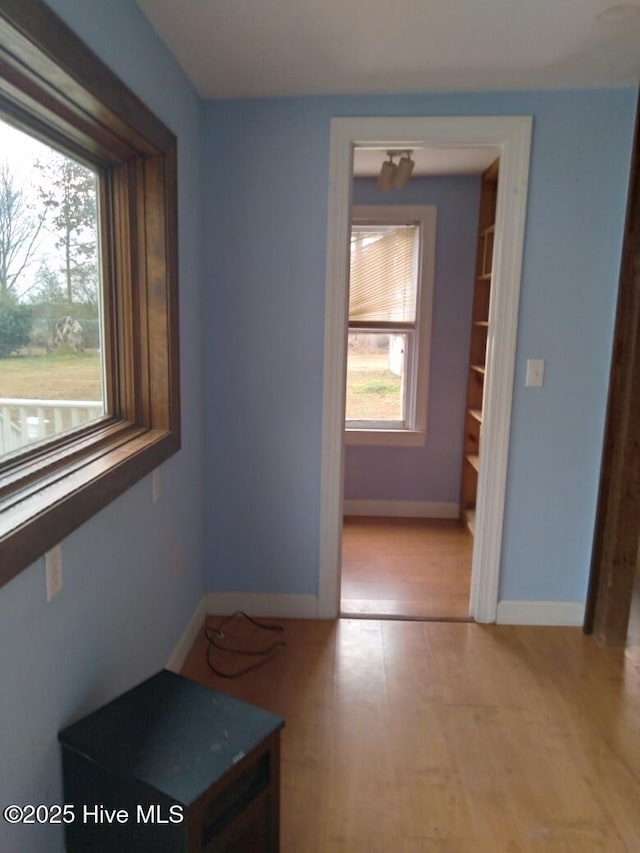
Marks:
<point>428,161</point>
<point>265,48</point>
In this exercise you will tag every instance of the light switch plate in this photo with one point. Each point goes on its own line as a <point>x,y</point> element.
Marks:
<point>535,373</point>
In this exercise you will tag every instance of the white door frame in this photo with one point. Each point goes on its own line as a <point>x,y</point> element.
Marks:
<point>512,135</point>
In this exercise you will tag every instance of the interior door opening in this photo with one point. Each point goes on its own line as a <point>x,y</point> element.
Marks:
<point>395,564</point>
<point>511,135</point>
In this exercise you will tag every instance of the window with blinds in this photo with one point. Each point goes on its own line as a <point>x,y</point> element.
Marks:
<point>383,314</point>
<point>384,275</point>
<point>391,285</point>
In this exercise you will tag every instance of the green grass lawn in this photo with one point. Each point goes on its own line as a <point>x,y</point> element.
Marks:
<point>56,376</point>
<point>373,391</point>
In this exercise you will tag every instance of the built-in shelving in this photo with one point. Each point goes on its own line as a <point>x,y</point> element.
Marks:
<point>469,517</point>
<point>474,460</point>
<point>478,346</point>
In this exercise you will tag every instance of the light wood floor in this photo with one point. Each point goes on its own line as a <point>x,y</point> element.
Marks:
<point>426,737</point>
<point>413,567</point>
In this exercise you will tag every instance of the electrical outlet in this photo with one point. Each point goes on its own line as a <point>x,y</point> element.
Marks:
<point>156,486</point>
<point>177,561</point>
<point>53,571</point>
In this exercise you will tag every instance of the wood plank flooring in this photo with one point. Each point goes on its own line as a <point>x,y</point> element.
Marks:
<point>412,567</point>
<point>427,737</point>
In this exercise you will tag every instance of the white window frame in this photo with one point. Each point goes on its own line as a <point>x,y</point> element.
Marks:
<point>414,434</point>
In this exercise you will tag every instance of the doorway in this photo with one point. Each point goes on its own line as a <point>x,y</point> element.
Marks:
<point>417,259</point>
<point>511,135</point>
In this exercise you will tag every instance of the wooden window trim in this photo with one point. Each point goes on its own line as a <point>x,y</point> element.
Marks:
<point>56,89</point>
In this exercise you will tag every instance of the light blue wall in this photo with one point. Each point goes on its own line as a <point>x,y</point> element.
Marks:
<point>266,229</point>
<point>121,610</point>
<point>431,472</point>
<point>266,234</point>
<point>259,302</point>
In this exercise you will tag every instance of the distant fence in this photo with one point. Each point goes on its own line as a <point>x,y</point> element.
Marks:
<point>25,421</point>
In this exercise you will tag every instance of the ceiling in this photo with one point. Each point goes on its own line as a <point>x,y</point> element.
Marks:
<point>428,161</point>
<point>267,48</point>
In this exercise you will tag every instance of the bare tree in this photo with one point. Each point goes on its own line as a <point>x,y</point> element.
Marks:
<point>20,227</point>
<point>68,194</point>
<point>48,288</point>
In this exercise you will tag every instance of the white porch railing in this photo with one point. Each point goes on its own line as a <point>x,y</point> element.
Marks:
<point>25,421</point>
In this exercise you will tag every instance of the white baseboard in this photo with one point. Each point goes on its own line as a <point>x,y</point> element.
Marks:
<point>540,613</point>
<point>569,613</point>
<point>186,641</point>
<point>403,509</point>
<point>263,604</point>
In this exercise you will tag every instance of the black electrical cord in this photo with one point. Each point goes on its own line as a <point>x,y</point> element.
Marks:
<point>214,635</point>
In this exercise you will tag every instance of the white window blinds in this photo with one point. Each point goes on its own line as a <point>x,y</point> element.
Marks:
<point>383,280</point>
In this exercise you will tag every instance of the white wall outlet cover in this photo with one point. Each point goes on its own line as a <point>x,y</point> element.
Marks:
<point>53,571</point>
<point>156,485</point>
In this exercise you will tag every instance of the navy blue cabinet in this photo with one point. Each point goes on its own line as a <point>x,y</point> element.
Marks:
<point>173,766</point>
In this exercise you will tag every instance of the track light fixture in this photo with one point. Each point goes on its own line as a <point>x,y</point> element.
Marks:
<point>387,173</point>
<point>395,175</point>
<point>404,170</point>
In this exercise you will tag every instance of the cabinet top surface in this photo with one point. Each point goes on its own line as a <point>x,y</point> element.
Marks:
<point>171,733</point>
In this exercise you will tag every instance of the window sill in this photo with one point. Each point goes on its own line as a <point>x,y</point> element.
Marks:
<point>385,437</point>
<point>35,518</point>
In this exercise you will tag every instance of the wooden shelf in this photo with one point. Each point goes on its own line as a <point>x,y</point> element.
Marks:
<point>485,277</point>
<point>478,368</point>
<point>490,230</point>
<point>469,518</point>
<point>482,323</point>
<point>474,460</point>
<point>476,414</point>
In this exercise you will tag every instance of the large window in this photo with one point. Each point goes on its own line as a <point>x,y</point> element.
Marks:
<point>52,366</point>
<point>89,372</point>
<point>390,302</point>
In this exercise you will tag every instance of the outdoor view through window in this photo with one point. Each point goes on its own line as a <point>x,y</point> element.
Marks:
<point>51,361</point>
<point>383,291</point>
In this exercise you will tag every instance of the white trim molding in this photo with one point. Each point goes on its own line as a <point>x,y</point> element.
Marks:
<point>511,136</point>
<point>402,509</point>
<point>418,355</point>
<point>186,641</point>
<point>570,613</point>
<point>385,437</point>
<point>279,606</point>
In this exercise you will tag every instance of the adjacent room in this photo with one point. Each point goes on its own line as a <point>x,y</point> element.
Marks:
<point>421,493</point>
<point>414,397</point>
